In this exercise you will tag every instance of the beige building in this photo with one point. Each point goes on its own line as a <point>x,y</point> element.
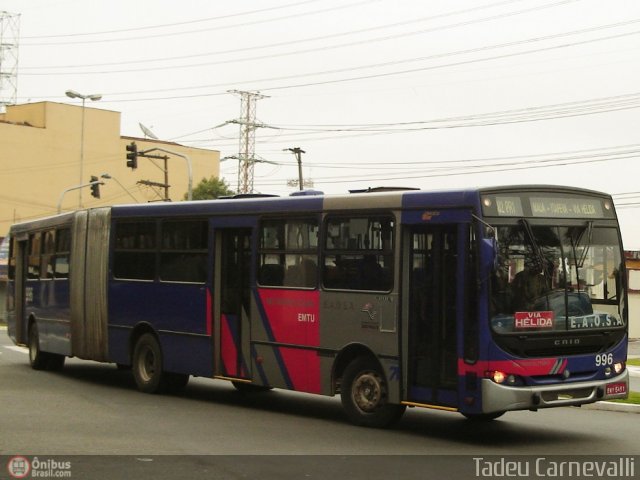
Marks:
<point>42,148</point>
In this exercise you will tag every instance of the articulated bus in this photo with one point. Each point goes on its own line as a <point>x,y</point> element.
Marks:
<point>477,301</point>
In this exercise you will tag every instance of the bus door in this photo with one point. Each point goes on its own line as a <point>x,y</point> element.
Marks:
<point>435,298</point>
<point>232,302</point>
<point>19,332</point>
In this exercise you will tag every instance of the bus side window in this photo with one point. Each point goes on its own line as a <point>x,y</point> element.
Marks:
<point>33,263</point>
<point>359,253</point>
<point>48,250</point>
<point>288,255</point>
<point>63,249</point>
<point>183,253</point>
<point>135,251</point>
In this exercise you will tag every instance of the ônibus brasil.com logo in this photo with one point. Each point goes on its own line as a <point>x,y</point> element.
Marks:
<point>18,467</point>
<point>21,467</point>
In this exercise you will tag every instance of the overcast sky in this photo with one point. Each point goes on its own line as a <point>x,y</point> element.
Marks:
<point>431,94</point>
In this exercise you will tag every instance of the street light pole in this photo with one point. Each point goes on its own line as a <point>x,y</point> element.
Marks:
<point>76,187</point>
<point>106,176</point>
<point>93,97</point>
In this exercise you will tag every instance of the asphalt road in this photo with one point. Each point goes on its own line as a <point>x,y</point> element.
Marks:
<point>94,409</point>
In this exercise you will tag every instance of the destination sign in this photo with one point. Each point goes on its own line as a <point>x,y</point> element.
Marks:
<point>509,206</point>
<point>535,205</point>
<point>565,207</point>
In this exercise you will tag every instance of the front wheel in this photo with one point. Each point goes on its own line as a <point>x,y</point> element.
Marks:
<point>364,394</point>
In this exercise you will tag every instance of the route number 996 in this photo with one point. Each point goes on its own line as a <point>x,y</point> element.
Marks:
<point>604,359</point>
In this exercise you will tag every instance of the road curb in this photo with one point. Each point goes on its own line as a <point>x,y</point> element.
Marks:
<point>613,407</point>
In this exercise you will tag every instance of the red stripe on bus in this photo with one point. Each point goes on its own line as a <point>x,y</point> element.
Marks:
<point>228,349</point>
<point>303,367</point>
<point>293,316</point>
<point>523,367</point>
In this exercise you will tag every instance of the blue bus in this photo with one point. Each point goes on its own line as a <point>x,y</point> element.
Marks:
<point>476,301</point>
<point>4,259</point>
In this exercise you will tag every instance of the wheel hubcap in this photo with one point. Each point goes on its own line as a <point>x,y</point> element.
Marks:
<point>368,391</point>
<point>147,364</point>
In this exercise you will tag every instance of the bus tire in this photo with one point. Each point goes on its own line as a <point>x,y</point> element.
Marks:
<point>38,359</point>
<point>364,395</point>
<point>147,365</point>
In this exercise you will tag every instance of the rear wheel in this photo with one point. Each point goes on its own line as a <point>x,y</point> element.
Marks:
<point>364,394</point>
<point>37,358</point>
<point>147,365</point>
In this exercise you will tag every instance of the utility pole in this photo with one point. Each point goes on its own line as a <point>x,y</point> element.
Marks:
<point>9,35</point>
<point>247,146</point>
<point>132,162</point>
<point>297,151</point>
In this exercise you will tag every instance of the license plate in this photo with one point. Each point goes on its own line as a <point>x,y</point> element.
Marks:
<point>616,388</point>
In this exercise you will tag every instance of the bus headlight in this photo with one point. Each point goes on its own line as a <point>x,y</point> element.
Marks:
<point>618,367</point>
<point>496,375</point>
<point>503,378</point>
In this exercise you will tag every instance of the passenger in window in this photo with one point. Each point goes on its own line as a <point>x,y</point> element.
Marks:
<point>529,285</point>
<point>371,273</point>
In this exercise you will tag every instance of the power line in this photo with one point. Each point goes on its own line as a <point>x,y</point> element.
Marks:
<point>190,32</point>
<point>309,50</point>
<point>379,75</point>
<point>448,65</point>
<point>350,44</point>
<point>528,114</point>
<point>480,169</point>
<point>299,41</point>
<point>582,105</point>
<point>174,24</point>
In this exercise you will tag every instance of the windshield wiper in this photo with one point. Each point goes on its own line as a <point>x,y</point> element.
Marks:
<point>537,251</point>
<point>575,244</point>
<point>589,230</point>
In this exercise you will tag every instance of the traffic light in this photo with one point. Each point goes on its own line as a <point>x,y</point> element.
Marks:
<point>132,155</point>
<point>95,186</point>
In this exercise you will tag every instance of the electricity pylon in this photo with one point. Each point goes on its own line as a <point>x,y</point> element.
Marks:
<point>247,146</point>
<point>9,37</point>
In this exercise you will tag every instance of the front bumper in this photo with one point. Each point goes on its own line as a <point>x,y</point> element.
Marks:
<point>501,398</point>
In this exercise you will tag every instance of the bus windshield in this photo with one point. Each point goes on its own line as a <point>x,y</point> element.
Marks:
<point>562,278</point>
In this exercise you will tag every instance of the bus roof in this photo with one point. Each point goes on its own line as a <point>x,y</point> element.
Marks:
<point>383,198</point>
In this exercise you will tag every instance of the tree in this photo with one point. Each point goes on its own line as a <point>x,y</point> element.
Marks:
<point>211,188</point>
